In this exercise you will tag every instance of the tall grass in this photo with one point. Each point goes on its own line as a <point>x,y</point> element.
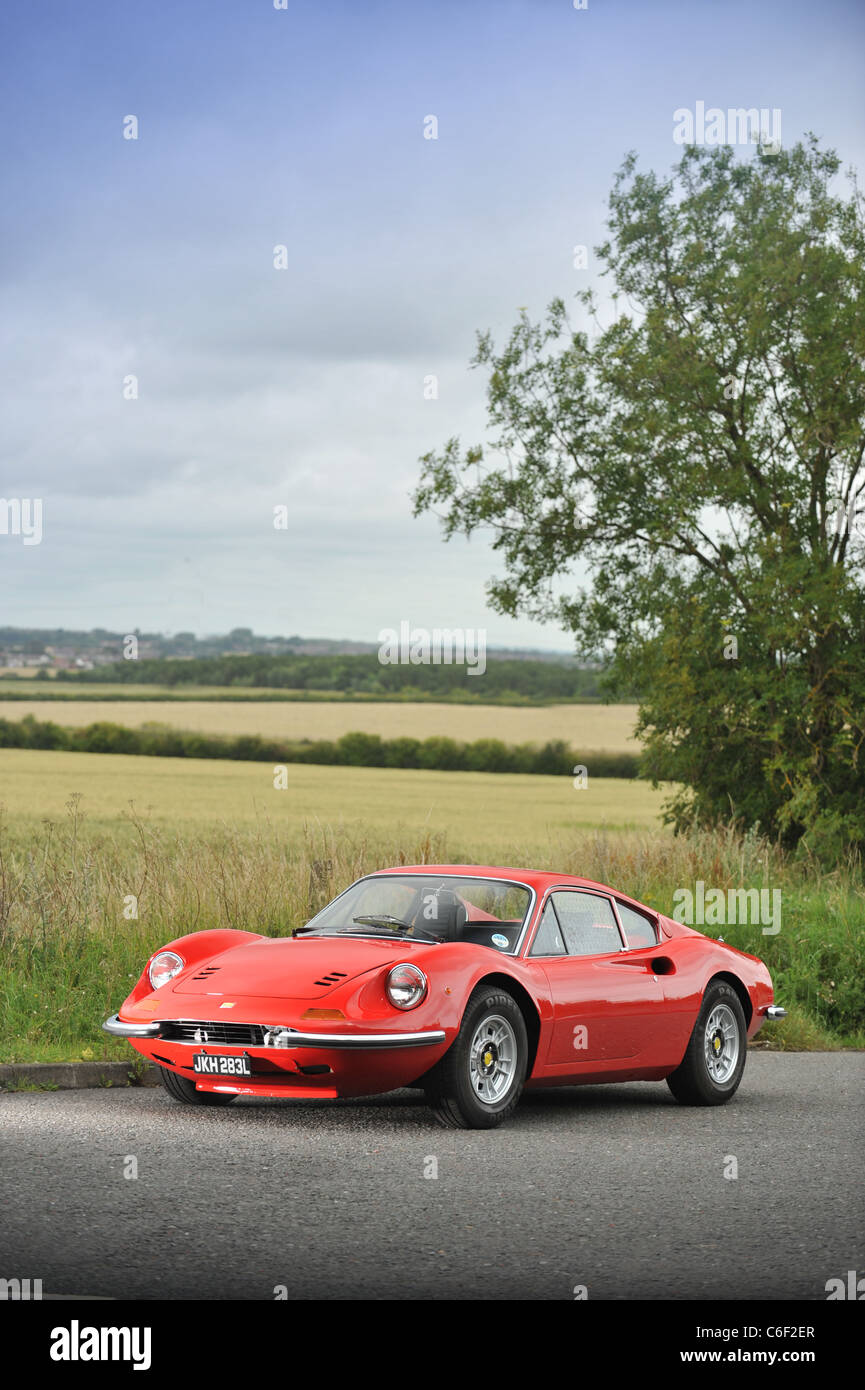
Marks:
<point>69,955</point>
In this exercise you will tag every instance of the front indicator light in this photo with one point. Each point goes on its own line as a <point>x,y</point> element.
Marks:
<point>332,1014</point>
<point>406,986</point>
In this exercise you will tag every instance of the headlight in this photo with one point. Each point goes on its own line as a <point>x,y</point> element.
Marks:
<point>164,966</point>
<point>406,986</point>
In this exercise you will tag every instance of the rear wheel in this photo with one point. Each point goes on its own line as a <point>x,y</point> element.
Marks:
<point>713,1064</point>
<point>179,1088</point>
<point>477,1083</point>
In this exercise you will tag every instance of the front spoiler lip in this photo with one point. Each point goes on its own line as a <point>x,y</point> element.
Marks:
<point>329,1041</point>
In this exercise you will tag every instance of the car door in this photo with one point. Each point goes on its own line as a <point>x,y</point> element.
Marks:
<point>671,1023</point>
<point>604,996</point>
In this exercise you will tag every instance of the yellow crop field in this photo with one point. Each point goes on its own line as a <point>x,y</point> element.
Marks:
<point>584,727</point>
<point>486,812</point>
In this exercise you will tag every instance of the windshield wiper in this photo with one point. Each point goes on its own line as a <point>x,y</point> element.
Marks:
<point>382,919</point>
<point>387,925</point>
<point>395,924</point>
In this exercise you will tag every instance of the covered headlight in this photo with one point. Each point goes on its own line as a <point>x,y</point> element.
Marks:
<point>164,966</point>
<point>406,986</point>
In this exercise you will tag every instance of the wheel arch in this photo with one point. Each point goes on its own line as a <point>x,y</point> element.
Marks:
<point>741,989</point>
<point>527,1006</point>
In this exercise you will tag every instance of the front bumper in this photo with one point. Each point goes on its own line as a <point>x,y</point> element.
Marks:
<point>328,1041</point>
<point>775,1011</point>
<point>130,1030</point>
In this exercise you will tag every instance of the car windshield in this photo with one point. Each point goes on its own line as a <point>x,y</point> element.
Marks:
<point>485,911</point>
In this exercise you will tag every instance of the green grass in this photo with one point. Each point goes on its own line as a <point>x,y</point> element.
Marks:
<point>192,794</point>
<point>17,687</point>
<point>21,1085</point>
<point>106,1049</point>
<point>212,845</point>
<point>799,1032</point>
<point>22,688</point>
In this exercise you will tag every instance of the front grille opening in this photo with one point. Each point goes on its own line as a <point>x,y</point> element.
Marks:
<point>229,1034</point>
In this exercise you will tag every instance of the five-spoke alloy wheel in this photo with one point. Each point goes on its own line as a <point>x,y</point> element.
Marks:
<point>712,1067</point>
<point>478,1082</point>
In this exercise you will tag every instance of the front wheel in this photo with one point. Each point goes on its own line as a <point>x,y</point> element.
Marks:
<point>713,1064</point>
<point>180,1088</point>
<point>477,1083</point>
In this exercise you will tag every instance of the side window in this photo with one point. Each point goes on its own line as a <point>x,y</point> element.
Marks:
<point>588,924</point>
<point>639,930</point>
<point>548,939</point>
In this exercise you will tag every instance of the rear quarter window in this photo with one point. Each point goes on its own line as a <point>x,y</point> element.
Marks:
<point>639,929</point>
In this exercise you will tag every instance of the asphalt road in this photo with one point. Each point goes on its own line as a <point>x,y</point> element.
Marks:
<point>615,1188</point>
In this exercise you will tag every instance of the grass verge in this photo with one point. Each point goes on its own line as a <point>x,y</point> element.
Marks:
<point>82,907</point>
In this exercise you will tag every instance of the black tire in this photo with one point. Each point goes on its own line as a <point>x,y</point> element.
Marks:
<point>461,1094</point>
<point>179,1088</point>
<point>694,1081</point>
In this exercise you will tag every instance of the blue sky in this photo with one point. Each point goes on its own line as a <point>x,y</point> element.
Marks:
<point>304,387</point>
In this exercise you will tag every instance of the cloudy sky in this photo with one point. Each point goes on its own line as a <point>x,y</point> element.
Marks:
<point>304,386</point>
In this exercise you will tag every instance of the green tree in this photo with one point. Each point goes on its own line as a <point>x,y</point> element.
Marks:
<point>696,468</point>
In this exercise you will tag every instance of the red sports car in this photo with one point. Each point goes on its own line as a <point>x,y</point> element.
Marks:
<point>467,982</point>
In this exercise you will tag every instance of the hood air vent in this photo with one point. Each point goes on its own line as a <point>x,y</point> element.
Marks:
<point>332,979</point>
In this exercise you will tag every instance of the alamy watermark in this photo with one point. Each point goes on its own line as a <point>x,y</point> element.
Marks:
<point>738,906</point>
<point>738,125</point>
<point>439,646</point>
<point>852,1287</point>
<point>848,516</point>
<point>77,1343</point>
<point>22,516</point>
<point>19,1290</point>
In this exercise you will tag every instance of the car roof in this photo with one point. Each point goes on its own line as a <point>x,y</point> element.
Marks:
<point>539,879</point>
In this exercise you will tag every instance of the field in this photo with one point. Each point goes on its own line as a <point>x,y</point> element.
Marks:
<point>194,795</point>
<point>15,685</point>
<point>201,842</point>
<point>195,844</point>
<point>586,727</point>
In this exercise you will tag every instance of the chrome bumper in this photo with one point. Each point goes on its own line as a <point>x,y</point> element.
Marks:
<point>775,1011</point>
<point>130,1030</point>
<point>296,1039</point>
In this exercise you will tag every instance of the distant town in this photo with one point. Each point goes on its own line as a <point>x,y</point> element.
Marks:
<point>44,651</point>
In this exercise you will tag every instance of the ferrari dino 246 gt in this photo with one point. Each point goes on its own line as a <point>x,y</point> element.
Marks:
<point>469,983</point>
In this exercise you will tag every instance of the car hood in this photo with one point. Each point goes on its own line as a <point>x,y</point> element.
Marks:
<point>290,967</point>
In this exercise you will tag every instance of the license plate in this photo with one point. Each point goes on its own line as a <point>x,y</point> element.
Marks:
<point>203,1064</point>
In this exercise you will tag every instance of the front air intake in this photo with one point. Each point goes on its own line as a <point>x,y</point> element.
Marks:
<point>219,1033</point>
